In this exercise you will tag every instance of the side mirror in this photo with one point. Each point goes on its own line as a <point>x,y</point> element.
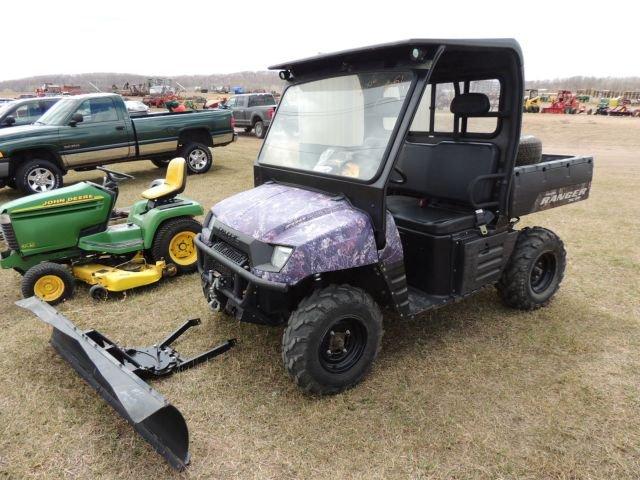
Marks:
<point>76,118</point>
<point>10,120</point>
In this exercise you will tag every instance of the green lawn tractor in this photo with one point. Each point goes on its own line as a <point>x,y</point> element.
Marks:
<point>55,237</point>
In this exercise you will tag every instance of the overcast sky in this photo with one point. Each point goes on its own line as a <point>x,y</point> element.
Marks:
<point>168,38</point>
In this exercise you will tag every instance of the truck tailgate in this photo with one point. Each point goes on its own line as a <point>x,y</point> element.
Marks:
<point>557,180</point>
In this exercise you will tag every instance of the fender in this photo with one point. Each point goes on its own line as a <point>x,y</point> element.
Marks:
<point>150,220</point>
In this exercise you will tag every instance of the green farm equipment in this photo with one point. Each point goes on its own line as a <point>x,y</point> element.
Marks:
<point>56,237</point>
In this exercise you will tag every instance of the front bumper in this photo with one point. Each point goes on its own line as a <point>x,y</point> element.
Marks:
<point>231,286</point>
<point>204,249</point>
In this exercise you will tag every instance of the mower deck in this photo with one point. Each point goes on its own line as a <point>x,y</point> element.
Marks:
<point>120,278</point>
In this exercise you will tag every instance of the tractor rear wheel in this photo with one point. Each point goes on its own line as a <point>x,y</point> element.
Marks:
<point>175,243</point>
<point>48,281</point>
<point>534,271</point>
<point>332,339</point>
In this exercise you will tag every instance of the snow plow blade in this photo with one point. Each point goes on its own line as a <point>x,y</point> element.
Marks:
<point>116,374</point>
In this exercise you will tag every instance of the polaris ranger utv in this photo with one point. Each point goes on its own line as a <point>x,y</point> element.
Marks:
<point>388,178</point>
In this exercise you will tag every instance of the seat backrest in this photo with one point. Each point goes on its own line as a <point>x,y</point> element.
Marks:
<point>446,169</point>
<point>173,184</point>
<point>177,174</point>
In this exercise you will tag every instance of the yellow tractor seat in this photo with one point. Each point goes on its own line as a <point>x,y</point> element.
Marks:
<point>173,184</point>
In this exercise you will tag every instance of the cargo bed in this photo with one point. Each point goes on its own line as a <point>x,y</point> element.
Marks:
<point>557,180</point>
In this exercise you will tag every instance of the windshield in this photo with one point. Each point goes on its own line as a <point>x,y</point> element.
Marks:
<point>338,126</point>
<point>6,106</point>
<point>59,113</point>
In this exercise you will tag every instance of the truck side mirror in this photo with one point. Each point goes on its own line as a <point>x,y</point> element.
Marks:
<point>10,120</point>
<point>75,119</point>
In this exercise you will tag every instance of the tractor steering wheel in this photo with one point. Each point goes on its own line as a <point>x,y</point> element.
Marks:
<point>112,178</point>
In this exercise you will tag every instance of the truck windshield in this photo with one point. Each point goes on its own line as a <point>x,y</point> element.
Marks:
<point>337,126</point>
<point>59,113</point>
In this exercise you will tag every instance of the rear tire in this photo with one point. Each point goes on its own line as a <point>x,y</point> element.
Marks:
<point>48,281</point>
<point>37,176</point>
<point>534,271</point>
<point>529,150</point>
<point>332,339</point>
<point>174,243</point>
<point>198,157</point>
<point>259,129</point>
<point>161,163</point>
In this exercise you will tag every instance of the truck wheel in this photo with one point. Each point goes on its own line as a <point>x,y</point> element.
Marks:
<point>332,339</point>
<point>529,150</point>
<point>49,281</point>
<point>198,157</point>
<point>259,129</point>
<point>161,163</point>
<point>174,243</point>
<point>534,271</point>
<point>37,176</point>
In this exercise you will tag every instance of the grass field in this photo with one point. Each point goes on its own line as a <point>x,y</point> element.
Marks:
<point>474,390</point>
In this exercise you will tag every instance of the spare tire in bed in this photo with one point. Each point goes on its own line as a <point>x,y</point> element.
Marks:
<point>529,150</point>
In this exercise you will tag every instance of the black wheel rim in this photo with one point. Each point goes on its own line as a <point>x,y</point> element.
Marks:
<point>343,345</point>
<point>543,272</point>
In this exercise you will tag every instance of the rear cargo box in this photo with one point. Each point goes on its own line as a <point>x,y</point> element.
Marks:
<point>557,180</point>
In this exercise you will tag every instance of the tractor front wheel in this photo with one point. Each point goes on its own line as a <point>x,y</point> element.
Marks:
<point>48,281</point>
<point>175,243</point>
<point>332,339</point>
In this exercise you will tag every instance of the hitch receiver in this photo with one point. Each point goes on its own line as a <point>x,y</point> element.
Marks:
<point>117,374</point>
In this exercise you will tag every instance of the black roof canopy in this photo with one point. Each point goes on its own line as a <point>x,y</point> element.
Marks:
<point>398,53</point>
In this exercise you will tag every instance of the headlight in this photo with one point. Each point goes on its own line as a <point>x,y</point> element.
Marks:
<point>280,256</point>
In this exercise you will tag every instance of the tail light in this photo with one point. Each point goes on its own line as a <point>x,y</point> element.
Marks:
<point>233,122</point>
<point>272,112</point>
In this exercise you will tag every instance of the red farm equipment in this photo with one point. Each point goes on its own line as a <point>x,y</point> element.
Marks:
<point>565,102</point>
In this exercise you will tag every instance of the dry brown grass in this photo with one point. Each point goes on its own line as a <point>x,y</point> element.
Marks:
<point>471,391</point>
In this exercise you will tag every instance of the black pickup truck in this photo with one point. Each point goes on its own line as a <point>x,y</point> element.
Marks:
<point>85,131</point>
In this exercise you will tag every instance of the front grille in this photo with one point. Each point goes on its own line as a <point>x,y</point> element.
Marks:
<point>9,236</point>
<point>231,253</point>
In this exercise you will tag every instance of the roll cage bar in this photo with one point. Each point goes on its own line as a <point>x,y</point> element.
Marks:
<point>432,62</point>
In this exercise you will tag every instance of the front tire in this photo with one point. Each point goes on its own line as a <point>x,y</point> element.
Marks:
<point>198,157</point>
<point>332,339</point>
<point>174,243</point>
<point>48,281</point>
<point>534,271</point>
<point>37,176</point>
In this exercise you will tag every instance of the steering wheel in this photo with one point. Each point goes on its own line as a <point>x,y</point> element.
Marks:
<point>115,176</point>
<point>401,180</point>
<point>111,180</point>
